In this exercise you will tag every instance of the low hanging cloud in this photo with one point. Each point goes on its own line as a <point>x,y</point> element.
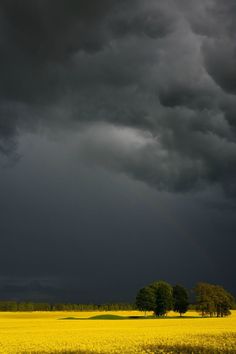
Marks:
<point>152,84</point>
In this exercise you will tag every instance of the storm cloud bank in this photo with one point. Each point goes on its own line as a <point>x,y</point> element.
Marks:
<point>150,86</point>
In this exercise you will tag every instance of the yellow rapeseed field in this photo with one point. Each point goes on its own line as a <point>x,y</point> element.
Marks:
<point>47,332</point>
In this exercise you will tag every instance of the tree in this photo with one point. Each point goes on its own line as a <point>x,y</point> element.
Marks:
<point>223,301</point>
<point>204,299</point>
<point>145,299</point>
<point>180,299</point>
<point>156,297</point>
<point>164,298</point>
<point>213,300</point>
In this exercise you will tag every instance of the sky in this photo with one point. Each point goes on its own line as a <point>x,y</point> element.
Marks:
<point>117,147</point>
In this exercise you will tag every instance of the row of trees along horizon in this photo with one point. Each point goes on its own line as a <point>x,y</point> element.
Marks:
<point>158,297</point>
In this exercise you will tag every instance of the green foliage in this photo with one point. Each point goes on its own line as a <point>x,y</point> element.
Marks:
<point>25,306</point>
<point>180,299</point>
<point>213,300</point>
<point>164,298</point>
<point>156,297</point>
<point>146,299</point>
<point>8,306</point>
<point>160,297</point>
<point>44,306</point>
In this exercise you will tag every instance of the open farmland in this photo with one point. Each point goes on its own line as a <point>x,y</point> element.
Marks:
<point>47,332</point>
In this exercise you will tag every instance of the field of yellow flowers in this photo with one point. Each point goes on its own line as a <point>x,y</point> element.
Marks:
<point>50,332</point>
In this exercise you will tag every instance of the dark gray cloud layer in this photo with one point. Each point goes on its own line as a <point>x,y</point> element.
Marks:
<point>71,232</point>
<point>99,101</point>
<point>163,68</point>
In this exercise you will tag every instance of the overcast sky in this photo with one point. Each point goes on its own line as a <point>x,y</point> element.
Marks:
<point>117,146</point>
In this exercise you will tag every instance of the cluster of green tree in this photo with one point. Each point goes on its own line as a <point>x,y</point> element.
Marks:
<point>213,300</point>
<point>42,306</point>
<point>160,297</point>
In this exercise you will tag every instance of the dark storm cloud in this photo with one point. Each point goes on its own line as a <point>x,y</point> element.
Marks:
<point>163,71</point>
<point>52,30</point>
<point>40,39</point>
<point>7,129</point>
<point>86,234</point>
<point>22,289</point>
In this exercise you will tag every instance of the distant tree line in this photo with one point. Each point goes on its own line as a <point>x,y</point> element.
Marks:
<point>160,297</point>
<point>44,306</point>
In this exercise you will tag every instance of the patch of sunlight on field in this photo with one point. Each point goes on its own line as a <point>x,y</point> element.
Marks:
<point>44,332</point>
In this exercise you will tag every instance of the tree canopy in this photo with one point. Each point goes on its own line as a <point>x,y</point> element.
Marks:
<point>164,298</point>
<point>180,299</point>
<point>156,297</point>
<point>213,300</point>
<point>145,299</point>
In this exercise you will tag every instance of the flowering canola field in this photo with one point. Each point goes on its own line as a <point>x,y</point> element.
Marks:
<point>47,332</point>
